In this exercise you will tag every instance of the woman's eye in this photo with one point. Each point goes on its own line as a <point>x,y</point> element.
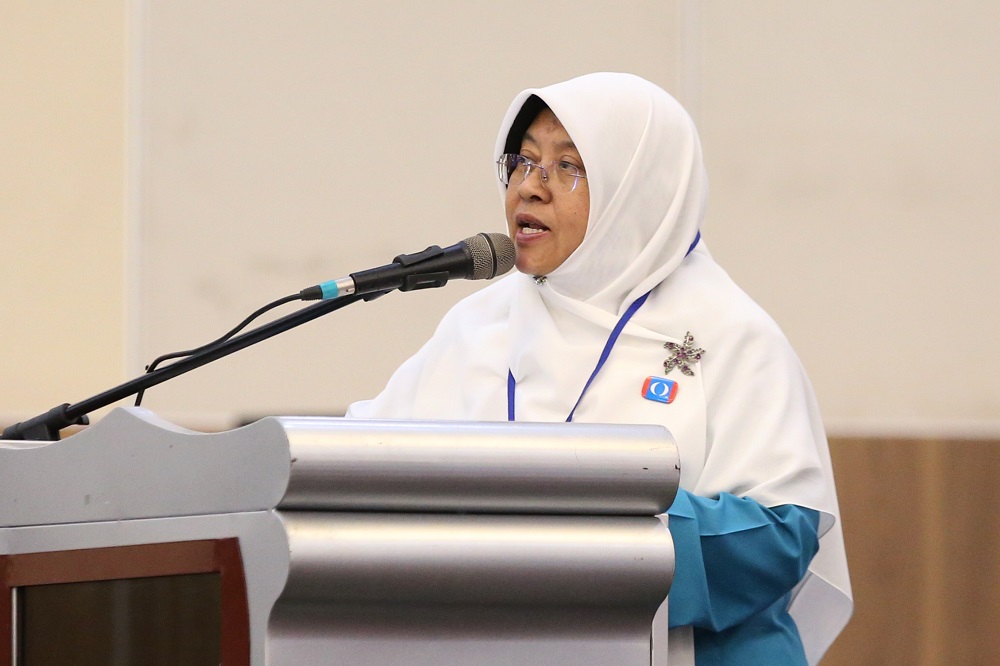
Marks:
<point>515,162</point>
<point>568,167</point>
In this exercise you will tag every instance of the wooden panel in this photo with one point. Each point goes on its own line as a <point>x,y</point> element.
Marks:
<point>922,535</point>
<point>967,606</point>
<point>877,519</point>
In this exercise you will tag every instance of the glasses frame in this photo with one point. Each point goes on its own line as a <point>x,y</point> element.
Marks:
<point>505,171</point>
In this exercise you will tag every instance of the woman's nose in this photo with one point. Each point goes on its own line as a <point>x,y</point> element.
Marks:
<point>533,185</point>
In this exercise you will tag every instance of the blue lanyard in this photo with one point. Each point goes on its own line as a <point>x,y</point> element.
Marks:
<point>608,346</point>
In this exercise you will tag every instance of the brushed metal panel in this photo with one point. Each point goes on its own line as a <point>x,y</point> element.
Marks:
<point>341,464</point>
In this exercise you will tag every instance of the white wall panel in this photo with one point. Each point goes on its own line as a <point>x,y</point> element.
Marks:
<point>854,151</point>
<point>289,143</point>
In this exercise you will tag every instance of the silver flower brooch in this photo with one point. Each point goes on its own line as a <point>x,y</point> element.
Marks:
<point>684,356</point>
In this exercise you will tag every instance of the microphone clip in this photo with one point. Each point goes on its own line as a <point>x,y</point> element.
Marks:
<point>417,257</point>
<point>424,280</point>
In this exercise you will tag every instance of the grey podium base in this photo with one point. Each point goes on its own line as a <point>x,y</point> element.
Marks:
<point>373,589</point>
<point>473,636</point>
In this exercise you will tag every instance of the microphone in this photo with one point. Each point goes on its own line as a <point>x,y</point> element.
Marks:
<point>479,257</point>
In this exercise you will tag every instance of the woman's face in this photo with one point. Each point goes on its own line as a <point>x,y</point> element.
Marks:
<point>546,225</point>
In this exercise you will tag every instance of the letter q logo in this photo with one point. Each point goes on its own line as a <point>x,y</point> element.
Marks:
<point>659,389</point>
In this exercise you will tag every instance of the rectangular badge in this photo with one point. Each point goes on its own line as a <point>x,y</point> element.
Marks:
<point>659,389</point>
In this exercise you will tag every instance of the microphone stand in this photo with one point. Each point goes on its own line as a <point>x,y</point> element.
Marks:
<point>46,427</point>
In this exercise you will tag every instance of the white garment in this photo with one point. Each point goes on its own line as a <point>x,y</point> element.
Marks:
<point>746,423</point>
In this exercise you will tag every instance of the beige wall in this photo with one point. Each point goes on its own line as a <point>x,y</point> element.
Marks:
<point>855,158</point>
<point>285,147</point>
<point>62,174</point>
<point>852,148</point>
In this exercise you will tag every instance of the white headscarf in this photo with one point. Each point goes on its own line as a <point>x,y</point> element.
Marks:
<point>647,184</point>
<point>746,422</point>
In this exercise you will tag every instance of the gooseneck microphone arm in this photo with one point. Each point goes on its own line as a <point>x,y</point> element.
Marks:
<point>46,427</point>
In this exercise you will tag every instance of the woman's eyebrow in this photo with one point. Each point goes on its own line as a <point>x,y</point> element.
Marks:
<point>561,145</point>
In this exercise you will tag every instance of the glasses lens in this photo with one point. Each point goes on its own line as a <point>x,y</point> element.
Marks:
<point>567,174</point>
<point>507,165</point>
<point>503,171</point>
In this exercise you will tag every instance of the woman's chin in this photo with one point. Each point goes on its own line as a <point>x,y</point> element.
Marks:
<point>529,267</point>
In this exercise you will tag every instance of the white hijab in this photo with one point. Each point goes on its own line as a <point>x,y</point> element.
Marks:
<point>746,422</point>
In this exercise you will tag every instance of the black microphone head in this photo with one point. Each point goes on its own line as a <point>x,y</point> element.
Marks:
<point>492,255</point>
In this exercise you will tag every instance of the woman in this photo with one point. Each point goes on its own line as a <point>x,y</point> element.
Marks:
<point>604,190</point>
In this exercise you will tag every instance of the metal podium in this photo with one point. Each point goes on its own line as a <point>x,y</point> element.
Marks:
<point>335,541</point>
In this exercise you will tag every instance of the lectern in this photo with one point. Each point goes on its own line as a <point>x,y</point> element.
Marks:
<point>301,541</point>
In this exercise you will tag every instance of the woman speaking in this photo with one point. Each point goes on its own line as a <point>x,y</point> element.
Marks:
<point>619,314</point>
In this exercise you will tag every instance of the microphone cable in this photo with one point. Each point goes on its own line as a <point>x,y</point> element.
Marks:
<point>197,350</point>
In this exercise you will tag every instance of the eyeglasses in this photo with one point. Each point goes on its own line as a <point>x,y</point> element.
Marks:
<point>514,169</point>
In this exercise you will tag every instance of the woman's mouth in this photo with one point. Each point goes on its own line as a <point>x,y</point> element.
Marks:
<point>530,227</point>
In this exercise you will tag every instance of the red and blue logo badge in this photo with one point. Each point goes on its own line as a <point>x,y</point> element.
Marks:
<point>659,389</point>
